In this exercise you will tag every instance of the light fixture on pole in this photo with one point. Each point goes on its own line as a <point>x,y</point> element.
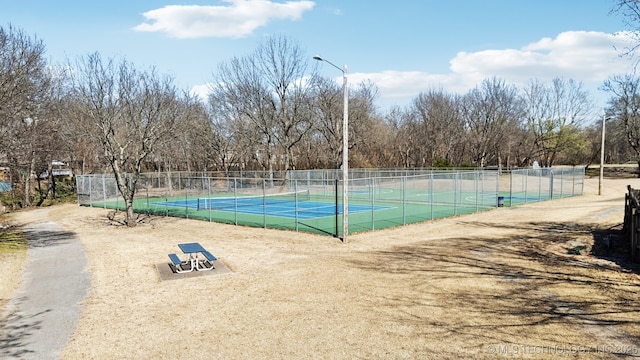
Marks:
<point>600,179</point>
<point>345,150</point>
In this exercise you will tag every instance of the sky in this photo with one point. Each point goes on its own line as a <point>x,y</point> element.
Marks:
<point>403,46</point>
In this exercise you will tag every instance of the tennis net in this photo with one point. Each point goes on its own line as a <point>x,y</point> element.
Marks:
<point>232,202</point>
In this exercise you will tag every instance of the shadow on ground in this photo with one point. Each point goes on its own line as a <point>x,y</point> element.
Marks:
<point>15,330</point>
<point>611,244</point>
<point>43,238</point>
<point>509,290</point>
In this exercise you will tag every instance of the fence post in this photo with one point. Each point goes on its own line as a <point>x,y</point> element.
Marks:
<point>550,184</point>
<point>540,185</point>
<point>104,192</point>
<point>635,216</point>
<point>477,179</point>
<point>455,193</point>
<point>335,191</point>
<point>627,211</point>
<point>373,203</point>
<point>264,201</point>
<point>431,182</point>
<point>209,194</point>
<point>404,196</point>
<point>562,174</point>
<point>510,188</point>
<point>235,200</point>
<point>634,232</point>
<point>146,180</point>
<point>90,191</point>
<point>295,189</point>
<point>186,200</point>
<point>526,186</point>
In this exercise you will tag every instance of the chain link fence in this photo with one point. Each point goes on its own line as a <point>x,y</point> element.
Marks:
<point>311,200</point>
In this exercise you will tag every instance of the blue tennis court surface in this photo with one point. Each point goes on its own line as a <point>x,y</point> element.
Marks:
<point>305,210</point>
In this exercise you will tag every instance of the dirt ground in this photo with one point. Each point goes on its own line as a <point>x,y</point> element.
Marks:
<point>489,285</point>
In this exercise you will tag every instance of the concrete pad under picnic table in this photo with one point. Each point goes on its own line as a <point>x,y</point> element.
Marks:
<point>166,271</point>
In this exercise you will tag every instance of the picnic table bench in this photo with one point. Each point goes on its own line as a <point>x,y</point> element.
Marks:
<point>192,262</point>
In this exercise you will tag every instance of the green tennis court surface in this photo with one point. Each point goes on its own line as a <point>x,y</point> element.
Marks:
<point>314,213</point>
<point>304,210</point>
<point>311,200</point>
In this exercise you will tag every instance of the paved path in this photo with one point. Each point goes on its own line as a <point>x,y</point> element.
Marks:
<point>43,315</point>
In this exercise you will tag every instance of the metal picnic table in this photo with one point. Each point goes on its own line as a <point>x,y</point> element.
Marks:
<point>193,250</point>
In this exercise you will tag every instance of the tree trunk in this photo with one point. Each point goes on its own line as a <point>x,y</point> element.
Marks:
<point>27,180</point>
<point>126,186</point>
<point>130,217</point>
<point>51,189</point>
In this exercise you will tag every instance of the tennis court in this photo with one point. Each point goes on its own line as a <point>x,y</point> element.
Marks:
<point>311,200</point>
<point>290,206</point>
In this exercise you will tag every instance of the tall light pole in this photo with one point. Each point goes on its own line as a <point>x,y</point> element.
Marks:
<point>604,120</point>
<point>345,150</point>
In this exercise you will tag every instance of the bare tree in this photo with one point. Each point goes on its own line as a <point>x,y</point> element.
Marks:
<point>237,109</point>
<point>55,145</point>
<point>84,153</point>
<point>327,97</point>
<point>25,98</point>
<point>625,107</point>
<point>555,115</point>
<point>268,89</point>
<point>617,149</point>
<point>438,126</point>
<point>630,11</point>
<point>128,112</point>
<point>185,151</point>
<point>488,110</point>
<point>401,136</point>
<point>231,138</point>
<point>366,133</point>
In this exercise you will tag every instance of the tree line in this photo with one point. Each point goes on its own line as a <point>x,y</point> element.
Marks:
<point>271,110</point>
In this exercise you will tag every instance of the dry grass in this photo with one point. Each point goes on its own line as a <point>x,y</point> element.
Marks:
<point>13,257</point>
<point>461,287</point>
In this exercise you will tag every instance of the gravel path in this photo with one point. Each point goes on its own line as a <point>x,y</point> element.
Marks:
<point>43,314</point>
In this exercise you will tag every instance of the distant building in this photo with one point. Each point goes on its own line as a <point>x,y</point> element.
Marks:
<point>5,186</point>
<point>58,168</point>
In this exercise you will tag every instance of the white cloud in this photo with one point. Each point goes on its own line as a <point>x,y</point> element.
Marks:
<point>237,20</point>
<point>587,57</point>
<point>201,91</point>
<point>399,85</point>
<point>579,55</point>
